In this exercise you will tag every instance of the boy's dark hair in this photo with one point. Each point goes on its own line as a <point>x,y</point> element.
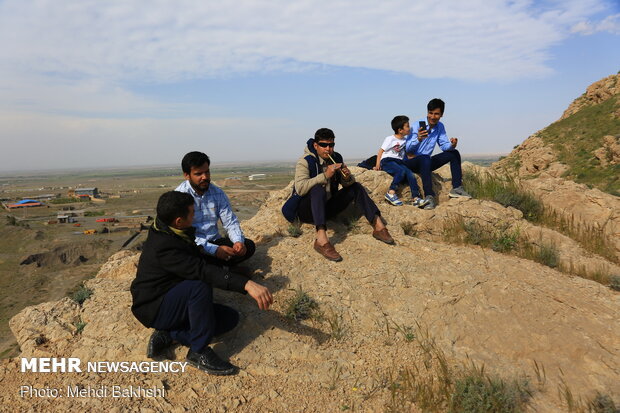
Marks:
<point>194,160</point>
<point>399,122</point>
<point>172,205</point>
<point>324,134</point>
<point>436,104</point>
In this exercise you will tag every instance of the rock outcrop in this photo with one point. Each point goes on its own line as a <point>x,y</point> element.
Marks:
<point>536,166</point>
<point>596,93</point>
<point>476,304</point>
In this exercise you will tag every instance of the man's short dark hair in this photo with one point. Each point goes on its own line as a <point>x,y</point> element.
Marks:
<point>436,104</point>
<point>399,122</point>
<point>173,205</point>
<point>324,134</point>
<point>194,160</point>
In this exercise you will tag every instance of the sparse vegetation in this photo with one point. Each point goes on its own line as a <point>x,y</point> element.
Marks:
<point>409,229</point>
<point>79,326</point>
<point>352,224</point>
<point>602,403</point>
<point>591,237</point>
<point>435,386</point>
<point>12,221</point>
<point>505,192</point>
<point>301,306</point>
<point>508,193</point>
<point>575,139</point>
<point>294,230</point>
<point>614,282</point>
<point>336,324</point>
<point>82,294</point>
<point>545,254</point>
<point>94,213</point>
<point>599,403</point>
<point>502,239</point>
<point>392,329</point>
<point>477,392</point>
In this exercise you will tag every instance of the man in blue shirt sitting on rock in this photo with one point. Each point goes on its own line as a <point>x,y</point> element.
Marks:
<point>211,204</point>
<point>420,145</point>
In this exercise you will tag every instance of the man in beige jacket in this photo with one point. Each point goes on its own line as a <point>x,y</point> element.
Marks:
<point>317,195</point>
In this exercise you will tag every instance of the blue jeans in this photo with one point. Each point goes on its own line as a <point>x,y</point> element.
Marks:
<point>190,316</point>
<point>399,170</point>
<point>425,164</point>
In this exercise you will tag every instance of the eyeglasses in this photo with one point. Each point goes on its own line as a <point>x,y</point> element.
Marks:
<point>326,144</point>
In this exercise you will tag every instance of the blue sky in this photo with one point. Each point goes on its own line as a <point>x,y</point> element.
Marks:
<point>90,83</point>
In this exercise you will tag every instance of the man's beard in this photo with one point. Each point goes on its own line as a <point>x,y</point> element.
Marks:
<point>200,189</point>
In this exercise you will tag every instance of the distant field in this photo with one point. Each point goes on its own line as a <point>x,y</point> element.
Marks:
<point>129,196</point>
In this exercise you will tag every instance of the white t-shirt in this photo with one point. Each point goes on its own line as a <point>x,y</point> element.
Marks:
<point>393,147</point>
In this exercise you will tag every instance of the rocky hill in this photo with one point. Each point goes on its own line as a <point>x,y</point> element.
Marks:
<point>389,315</point>
<point>583,145</point>
<point>458,311</point>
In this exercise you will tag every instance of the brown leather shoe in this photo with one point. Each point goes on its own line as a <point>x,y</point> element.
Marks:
<point>383,236</point>
<point>328,251</point>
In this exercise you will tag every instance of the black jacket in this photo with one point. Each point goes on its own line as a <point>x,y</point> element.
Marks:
<point>166,260</point>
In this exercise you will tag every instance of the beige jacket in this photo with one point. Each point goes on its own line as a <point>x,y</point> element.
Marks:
<point>303,182</point>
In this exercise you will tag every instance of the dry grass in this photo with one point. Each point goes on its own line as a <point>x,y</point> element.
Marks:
<point>434,385</point>
<point>505,239</point>
<point>508,192</point>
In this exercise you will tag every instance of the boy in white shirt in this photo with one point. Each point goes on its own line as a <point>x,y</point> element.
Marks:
<point>390,159</point>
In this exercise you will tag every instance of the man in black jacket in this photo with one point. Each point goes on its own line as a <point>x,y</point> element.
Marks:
<point>173,289</point>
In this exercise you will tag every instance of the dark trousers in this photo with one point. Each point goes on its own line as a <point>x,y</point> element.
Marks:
<point>400,172</point>
<point>425,164</point>
<point>315,208</point>
<point>190,316</point>
<point>249,246</point>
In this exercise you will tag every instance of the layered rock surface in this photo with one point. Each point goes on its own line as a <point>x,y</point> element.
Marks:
<point>497,310</point>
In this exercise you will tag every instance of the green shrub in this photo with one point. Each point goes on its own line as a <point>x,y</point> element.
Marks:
<point>294,230</point>
<point>81,294</point>
<point>301,306</point>
<point>614,282</point>
<point>477,392</point>
<point>79,326</point>
<point>602,403</point>
<point>547,255</point>
<point>505,242</point>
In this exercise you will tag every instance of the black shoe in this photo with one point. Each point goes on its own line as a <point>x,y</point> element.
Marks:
<point>210,362</point>
<point>159,341</point>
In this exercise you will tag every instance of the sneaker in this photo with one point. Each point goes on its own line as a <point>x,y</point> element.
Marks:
<point>210,362</point>
<point>419,202</point>
<point>430,202</point>
<point>158,343</point>
<point>328,251</point>
<point>458,192</point>
<point>393,199</point>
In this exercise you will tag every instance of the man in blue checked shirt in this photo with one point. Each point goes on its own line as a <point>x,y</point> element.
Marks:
<point>419,147</point>
<point>211,204</point>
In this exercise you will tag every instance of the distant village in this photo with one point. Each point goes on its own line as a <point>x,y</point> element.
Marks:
<point>68,213</point>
